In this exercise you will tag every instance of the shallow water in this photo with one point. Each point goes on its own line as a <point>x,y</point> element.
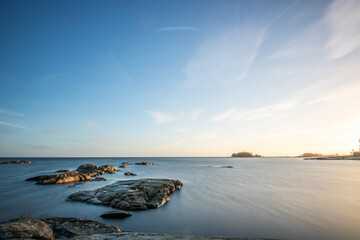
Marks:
<point>259,197</point>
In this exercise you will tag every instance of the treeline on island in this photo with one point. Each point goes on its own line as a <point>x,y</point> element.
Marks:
<point>245,154</point>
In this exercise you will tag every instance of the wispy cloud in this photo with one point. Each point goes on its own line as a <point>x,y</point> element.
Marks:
<point>90,123</point>
<point>235,114</point>
<point>9,113</point>
<point>13,125</point>
<point>178,28</point>
<point>226,57</point>
<point>306,131</point>
<point>343,19</point>
<point>161,117</point>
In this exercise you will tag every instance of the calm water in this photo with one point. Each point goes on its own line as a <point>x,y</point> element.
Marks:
<point>259,197</point>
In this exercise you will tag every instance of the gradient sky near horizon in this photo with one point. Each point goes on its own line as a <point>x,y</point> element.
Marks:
<point>179,78</point>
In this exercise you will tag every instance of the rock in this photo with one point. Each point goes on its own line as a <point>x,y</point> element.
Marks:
<point>138,194</point>
<point>154,236</point>
<point>126,163</point>
<point>27,228</point>
<point>116,214</point>
<point>83,173</point>
<point>16,162</point>
<point>145,163</point>
<point>123,166</point>
<point>63,170</point>
<point>129,174</point>
<point>227,167</point>
<point>73,227</point>
<point>98,179</point>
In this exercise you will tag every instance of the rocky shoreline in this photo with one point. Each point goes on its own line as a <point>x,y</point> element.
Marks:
<point>333,158</point>
<point>86,172</point>
<point>51,228</point>
<point>16,162</point>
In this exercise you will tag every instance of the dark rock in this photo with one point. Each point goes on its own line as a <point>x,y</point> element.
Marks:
<point>137,194</point>
<point>63,170</point>
<point>98,179</point>
<point>74,227</point>
<point>83,173</point>
<point>145,163</point>
<point>116,214</point>
<point>129,174</point>
<point>16,162</point>
<point>123,166</point>
<point>27,228</point>
<point>126,163</point>
<point>227,167</point>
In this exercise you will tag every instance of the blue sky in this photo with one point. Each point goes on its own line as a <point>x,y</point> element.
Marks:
<point>178,78</point>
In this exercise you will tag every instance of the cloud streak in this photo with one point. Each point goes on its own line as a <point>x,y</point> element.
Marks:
<point>4,111</point>
<point>343,19</point>
<point>160,117</point>
<point>13,125</point>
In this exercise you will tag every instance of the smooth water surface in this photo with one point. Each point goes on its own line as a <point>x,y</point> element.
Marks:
<point>286,198</point>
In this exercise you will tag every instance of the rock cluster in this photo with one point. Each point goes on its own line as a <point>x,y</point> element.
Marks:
<point>85,172</point>
<point>145,163</point>
<point>129,174</point>
<point>50,228</point>
<point>140,194</point>
<point>126,163</point>
<point>16,162</point>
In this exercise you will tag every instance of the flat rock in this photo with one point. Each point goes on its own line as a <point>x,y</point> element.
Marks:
<point>126,163</point>
<point>63,227</point>
<point>129,174</point>
<point>16,162</point>
<point>138,194</point>
<point>25,229</point>
<point>123,166</point>
<point>145,163</point>
<point>85,172</point>
<point>63,170</point>
<point>116,214</point>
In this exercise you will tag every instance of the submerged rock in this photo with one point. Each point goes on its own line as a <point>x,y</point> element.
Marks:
<point>145,163</point>
<point>129,174</point>
<point>140,194</point>
<point>116,214</point>
<point>123,166</point>
<point>83,173</point>
<point>63,170</point>
<point>16,162</point>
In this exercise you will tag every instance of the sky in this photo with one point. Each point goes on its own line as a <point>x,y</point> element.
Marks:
<point>179,78</point>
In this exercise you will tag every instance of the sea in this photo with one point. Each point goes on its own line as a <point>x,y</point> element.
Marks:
<point>282,198</point>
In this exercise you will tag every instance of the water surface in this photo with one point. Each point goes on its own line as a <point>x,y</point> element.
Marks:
<point>259,197</point>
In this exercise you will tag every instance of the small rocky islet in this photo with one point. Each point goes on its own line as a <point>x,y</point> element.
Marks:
<point>86,172</point>
<point>137,194</point>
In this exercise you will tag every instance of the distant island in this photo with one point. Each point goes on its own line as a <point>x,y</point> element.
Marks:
<point>245,154</point>
<point>354,155</point>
